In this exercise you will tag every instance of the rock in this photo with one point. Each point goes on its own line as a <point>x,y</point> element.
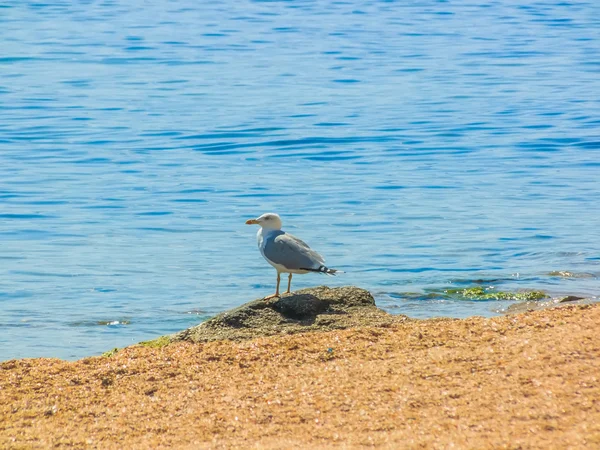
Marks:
<point>532,305</point>
<point>567,274</point>
<point>314,309</point>
<point>571,298</point>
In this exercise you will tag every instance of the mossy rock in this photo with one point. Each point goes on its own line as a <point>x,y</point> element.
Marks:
<point>314,309</point>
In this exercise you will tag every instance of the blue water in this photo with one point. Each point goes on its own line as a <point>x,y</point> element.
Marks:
<point>418,145</point>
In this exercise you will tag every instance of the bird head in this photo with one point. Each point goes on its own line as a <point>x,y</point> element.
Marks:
<point>267,220</point>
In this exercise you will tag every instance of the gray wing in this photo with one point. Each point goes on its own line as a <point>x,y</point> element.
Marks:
<point>292,253</point>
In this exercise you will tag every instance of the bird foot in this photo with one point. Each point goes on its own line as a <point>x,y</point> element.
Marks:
<point>268,297</point>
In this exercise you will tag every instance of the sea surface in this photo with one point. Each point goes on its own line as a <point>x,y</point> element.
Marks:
<point>420,146</point>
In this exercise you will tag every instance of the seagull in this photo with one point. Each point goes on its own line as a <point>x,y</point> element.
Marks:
<point>285,252</point>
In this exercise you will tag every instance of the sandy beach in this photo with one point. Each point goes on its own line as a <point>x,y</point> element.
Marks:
<point>516,382</point>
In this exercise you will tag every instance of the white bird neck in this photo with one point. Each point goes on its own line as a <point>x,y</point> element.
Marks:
<point>268,230</point>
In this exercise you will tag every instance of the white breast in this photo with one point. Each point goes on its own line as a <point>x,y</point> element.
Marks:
<point>261,237</point>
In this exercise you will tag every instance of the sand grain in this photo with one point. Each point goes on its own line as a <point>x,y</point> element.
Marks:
<point>523,381</point>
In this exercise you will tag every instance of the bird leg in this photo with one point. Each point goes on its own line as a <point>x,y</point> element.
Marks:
<point>276,294</point>
<point>289,284</point>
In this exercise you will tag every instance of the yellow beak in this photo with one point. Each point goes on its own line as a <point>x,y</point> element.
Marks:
<point>251,221</point>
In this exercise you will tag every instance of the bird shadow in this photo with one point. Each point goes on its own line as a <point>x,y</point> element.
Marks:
<point>300,307</point>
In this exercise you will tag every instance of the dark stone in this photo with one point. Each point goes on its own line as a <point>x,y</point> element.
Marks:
<point>571,298</point>
<point>314,309</point>
<point>533,305</point>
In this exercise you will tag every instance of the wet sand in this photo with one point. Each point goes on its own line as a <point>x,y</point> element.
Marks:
<point>517,382</point>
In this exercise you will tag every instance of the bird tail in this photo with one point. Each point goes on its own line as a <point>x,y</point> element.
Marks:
<point>325,270</point>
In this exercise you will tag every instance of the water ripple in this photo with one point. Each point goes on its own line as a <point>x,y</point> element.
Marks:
<point>416,148</point>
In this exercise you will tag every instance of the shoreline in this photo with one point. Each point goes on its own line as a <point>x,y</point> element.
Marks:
<point>515,301</point>
<point>527,380</point>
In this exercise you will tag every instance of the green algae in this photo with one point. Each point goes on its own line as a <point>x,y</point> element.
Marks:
<point>110,353</point>
<point>480,293</point>
<point>477,293</point>
<point>159,342</point>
